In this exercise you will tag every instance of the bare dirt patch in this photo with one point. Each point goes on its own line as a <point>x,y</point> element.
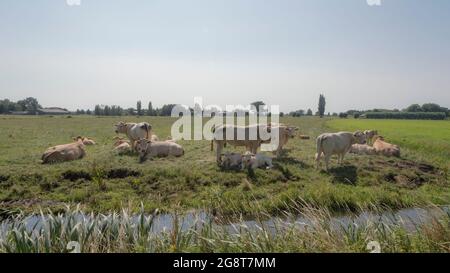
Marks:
<point>76,175</point>
<point>407,173</point>
<point>122,173</point>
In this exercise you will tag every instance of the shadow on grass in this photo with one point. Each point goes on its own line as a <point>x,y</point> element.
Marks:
<point>292,160</point>
<point>344,174</point>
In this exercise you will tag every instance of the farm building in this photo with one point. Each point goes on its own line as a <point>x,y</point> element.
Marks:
<point>52,111</point>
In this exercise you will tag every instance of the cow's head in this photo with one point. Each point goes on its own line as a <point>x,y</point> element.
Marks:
<point>291,131</point>
<point>370,134</point>
<point>142,147</point>
<point>360,137</point>
<point>247,160</point>
<point>121,127</point>
<point>376,137</point>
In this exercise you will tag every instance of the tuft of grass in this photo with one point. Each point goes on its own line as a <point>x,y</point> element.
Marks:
<point>126,232</point>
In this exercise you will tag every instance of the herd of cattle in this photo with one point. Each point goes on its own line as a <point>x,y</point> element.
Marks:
<point>147,145</point>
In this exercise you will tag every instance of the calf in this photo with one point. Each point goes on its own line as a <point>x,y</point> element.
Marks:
<point>336,143</point>
<point>119,141</point>
<point>62,153</point>
<point>362,149</point>
<point>86,141</point>
<point>147,148</point>
<point>123,148</point>
<point>256,161</point>
<point>384,148</point>
<point>231,161</point>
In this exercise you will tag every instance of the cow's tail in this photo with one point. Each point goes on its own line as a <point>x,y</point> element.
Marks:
<point>319,141</point>
<point>147,127</point>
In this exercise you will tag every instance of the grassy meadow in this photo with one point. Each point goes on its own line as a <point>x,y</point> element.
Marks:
<point>104,181</point>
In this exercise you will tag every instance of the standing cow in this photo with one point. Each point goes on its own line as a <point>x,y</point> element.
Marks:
<point>134,131</point>
<point>248,136</point>
<point>336,143</point>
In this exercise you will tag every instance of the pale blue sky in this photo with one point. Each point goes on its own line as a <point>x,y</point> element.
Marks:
<point>283,52</point>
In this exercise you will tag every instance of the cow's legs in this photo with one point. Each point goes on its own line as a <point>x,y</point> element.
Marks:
<point>133,145</point>
<point>219,148</point>
<point>279,152</point>
<point>342,157</point>
<point>254,149</point>
<point>327,161</point>
<point>318,155</point>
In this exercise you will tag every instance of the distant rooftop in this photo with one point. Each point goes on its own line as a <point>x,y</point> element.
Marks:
<point>53,110</point>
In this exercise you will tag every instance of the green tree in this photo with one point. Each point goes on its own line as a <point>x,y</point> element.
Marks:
<point>431,107</point>
<point>29,104</point>
<point>321,105</point>
<point>258,105</point>
<point>309,112</point>
<point>97,110</point>
<point>150,111</point>
<point>413,108</point>
<point>139,108</point>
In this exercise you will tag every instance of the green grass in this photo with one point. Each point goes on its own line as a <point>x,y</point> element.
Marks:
<point>105,182</point>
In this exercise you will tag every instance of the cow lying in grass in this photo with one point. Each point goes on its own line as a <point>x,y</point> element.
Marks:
<point>121,146</point>
<point>149,149</point>
<point>384,148</point>
<point>231,161</point>
<point>86,141</point>
<point>62,153</point>
<point>253,161</point>
<point>362,149</point>
<point>340,143</point>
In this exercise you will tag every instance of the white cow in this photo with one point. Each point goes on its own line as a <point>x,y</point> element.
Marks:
<point>231,160</point>
<point>134,131</point>
<point>147,148</point>
<point>259,160</point>
<point>362,149</point>
<point>336,143</point>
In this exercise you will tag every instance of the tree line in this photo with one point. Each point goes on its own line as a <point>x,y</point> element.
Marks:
<point>30,105</point>
<point>115,110</point>
<point>414,111</point>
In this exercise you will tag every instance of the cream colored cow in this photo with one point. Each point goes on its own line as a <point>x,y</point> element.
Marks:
<point>147,148</point>
<point>65,152</point>
<point>340,143</point>
<point>134,131</point>
<point>362,149</point>
<point>384,148</point>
